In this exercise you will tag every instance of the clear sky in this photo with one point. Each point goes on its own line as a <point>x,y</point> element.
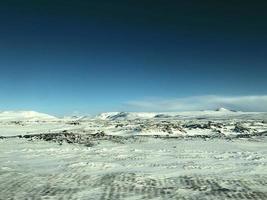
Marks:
<point>76,56</point>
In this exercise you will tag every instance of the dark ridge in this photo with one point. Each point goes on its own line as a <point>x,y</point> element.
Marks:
<point>90,140</point>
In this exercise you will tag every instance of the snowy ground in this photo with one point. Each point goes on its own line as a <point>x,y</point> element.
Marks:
<point>124,156</point>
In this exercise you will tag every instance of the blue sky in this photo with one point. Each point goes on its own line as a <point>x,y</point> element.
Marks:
<point>89,57</point>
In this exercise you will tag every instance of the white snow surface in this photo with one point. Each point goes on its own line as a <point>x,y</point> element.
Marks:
<point>144,156</point>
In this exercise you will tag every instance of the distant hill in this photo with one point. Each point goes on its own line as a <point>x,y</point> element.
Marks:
<point>25,116</point>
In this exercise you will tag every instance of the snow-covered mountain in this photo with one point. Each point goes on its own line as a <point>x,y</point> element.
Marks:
<point>125,115</point>
<point>25,116</point>
<point>77,118</point>
<point>150,115</point>
<point>209,122</point>
<point>217,113</point>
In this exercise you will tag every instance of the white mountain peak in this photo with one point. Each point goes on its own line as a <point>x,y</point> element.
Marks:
<point>223,110</point>
<point>25,116</point>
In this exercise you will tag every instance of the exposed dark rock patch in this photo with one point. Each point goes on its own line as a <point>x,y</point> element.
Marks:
<point>119,125</point>
<point>73,123</point>
<point>120,115</point>
<point>162,116</point>
<point>241,129</point>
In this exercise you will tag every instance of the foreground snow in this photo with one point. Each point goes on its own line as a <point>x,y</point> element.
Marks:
<point>147,168</point>
<point>194,155</point>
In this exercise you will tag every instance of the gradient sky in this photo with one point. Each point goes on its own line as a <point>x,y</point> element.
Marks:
<point>78,56</point>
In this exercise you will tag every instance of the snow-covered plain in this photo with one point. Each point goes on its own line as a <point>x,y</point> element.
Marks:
<point>218,154</point>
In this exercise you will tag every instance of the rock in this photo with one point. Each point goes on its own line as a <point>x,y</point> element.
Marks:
<point>241,129</point>
<point>118,125</point>
<point>73,123</point>
<point>99,134</point>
